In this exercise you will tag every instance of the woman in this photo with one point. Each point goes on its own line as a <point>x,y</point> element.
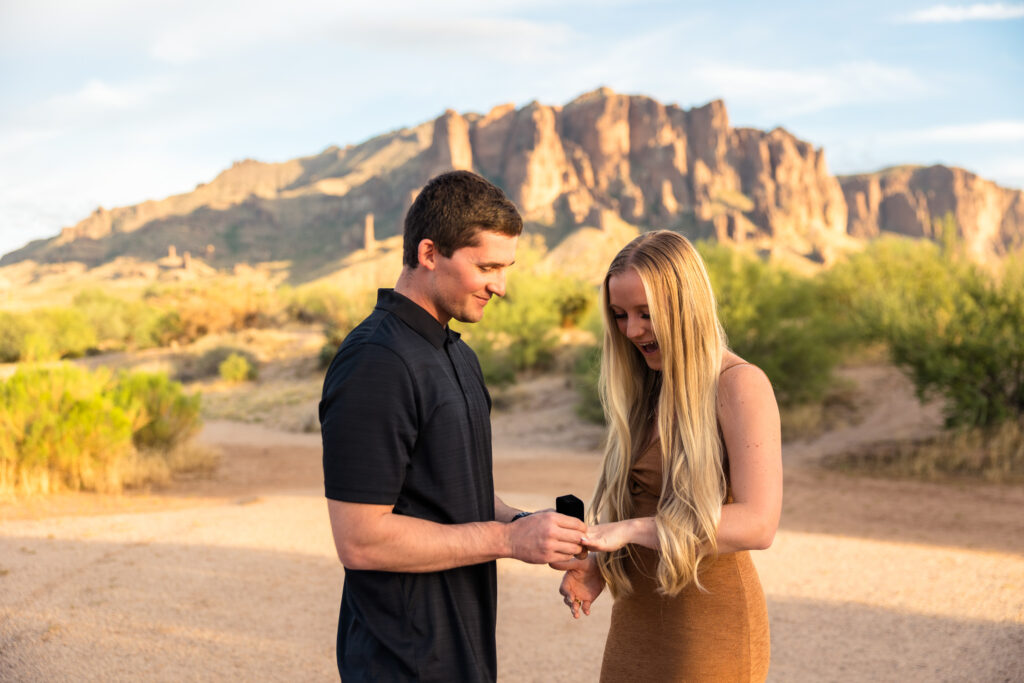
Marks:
<point>692,479</point>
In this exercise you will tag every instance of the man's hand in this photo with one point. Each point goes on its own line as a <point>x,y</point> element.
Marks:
<point>545,537</point>
<point>581,584</point>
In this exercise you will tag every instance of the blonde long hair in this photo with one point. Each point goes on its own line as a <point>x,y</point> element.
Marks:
<point>682,395</point>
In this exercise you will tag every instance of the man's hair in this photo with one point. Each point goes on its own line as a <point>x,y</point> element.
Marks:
<point>452,209</point>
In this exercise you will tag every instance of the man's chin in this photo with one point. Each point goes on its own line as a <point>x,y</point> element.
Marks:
<point>464,317</point>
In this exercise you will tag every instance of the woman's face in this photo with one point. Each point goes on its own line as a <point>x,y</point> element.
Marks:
<point>628,303</point>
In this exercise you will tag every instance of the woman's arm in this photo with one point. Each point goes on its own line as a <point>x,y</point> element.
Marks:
<point>581,584</point>
<point>749,417</point>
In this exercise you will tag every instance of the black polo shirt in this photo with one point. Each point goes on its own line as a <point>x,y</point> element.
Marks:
<point>405,418</point>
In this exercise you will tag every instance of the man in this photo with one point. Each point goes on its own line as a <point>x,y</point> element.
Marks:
<point>405,419</point>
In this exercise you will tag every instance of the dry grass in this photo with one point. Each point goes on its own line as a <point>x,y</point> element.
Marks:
<point>842,406</point>
<point>994,454</point>
<point>288,404</point>
<point>140,470</point>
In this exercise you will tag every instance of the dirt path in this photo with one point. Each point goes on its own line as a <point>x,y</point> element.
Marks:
<point>235,578</point>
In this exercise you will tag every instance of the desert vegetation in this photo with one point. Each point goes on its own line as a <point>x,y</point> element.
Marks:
<point>952,326</point>
<point>65,427</point>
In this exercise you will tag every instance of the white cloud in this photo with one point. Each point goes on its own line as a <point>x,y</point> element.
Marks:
<point>97,95</point>
<point>987,131</point>
<point>17,139</point>
<point>997,11</point>
<point>787,92</point>
<point>417,28</point>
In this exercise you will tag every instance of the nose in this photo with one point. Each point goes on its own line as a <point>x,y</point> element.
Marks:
<point>497,285</point>
<point>636,327</point>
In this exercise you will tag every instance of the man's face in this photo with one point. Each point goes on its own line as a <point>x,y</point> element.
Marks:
<point>464,283</point>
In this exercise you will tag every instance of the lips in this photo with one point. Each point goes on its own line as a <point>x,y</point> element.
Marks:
<point>648,347</point>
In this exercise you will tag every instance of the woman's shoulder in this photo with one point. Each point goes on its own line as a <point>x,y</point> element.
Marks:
<point>740,377</point>
<point>732,362</point>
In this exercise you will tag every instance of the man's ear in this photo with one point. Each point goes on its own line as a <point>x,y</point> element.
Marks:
<point>426,254</point>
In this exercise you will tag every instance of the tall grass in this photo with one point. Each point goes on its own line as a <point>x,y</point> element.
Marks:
<point>67,428</point>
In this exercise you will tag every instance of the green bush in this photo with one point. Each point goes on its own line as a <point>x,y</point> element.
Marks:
<point>586,372</point>
<point>954,327</point>
<point>120,324</point>
<point>209,363</point>
<point>45,334</point>
<point>64,427</point>
<point>164,417</point>
<point>96,321</point>
<point>13,329</point>
<point>777,320</point>
<point>236,368</point>
<point>520,330</point>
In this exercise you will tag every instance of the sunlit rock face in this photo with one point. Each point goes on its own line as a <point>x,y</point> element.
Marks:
<point>602,159</point>
<point>913,201</point>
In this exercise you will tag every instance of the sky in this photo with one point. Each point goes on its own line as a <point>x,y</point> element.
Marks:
<point>112,102</point>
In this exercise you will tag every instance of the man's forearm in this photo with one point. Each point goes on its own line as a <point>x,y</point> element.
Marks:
<point>373,537</point>
<point>399,543</point>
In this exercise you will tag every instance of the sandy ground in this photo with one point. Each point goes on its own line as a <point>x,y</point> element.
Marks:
<point>235,577</point>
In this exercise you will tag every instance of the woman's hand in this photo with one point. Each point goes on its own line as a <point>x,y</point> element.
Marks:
<point>581,584</point>
<point>611,536</point>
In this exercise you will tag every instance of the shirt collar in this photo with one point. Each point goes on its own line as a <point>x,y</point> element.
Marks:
<point>416,317</point>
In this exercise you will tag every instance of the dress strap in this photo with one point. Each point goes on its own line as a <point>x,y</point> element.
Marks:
<point>734,365</point>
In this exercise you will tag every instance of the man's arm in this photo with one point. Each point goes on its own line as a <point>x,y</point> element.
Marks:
<point>503,512</point>
<point>373,537</point>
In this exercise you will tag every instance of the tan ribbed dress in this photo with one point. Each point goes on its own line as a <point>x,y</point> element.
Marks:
<point>721,635</point>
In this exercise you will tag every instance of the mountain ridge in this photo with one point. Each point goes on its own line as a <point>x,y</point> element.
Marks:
<point>601,159</point>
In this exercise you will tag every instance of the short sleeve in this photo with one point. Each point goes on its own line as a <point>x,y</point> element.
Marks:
<point>368,421</point>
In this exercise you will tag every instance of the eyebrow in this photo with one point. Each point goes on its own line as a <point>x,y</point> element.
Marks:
<point>496,264</point>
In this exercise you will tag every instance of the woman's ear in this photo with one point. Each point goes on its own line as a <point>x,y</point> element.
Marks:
<point>426,254</point>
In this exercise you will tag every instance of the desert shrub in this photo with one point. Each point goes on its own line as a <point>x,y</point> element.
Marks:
<point>108,316</point>
<point>57,333</point>
<point>954,327</point>
<point>216,306</point>
<point>164,417</point>
<point>208,364</point>
<point>520,330</point>
<point>586,372</point>
<point>328,305</point>
<point>119,323</point>
<point>64,427</point>
<point>339,311</point>
<point>236,368</point>
<point>776,319</point>
<point>13,329</point>
<point>160,329</point>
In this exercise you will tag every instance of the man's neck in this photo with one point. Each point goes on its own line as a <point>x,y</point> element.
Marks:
<point>412,284</point>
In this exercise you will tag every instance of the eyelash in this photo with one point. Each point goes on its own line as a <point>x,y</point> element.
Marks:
<point>622,316</point>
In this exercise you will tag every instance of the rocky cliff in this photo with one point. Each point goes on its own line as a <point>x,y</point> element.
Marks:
<point>602,159</point>
<point>912,201</point>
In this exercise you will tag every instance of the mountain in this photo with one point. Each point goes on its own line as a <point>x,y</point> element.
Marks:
<point>909,199</point>
<point>598,161</point>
